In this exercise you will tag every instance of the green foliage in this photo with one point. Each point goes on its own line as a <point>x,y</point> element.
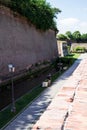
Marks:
<point>80,49</point>
<point>68,48</point>
<point>76,36</point>
<point>39,12</point>
<point>84,37</point>
<point>69,35</point>
<point>67,60</point>
<point>61,37</point>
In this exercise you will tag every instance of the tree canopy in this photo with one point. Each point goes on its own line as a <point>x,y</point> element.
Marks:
<point>75,36</point>
<point>68,35</point>
<point>39,12</point>
<point>61,37</point>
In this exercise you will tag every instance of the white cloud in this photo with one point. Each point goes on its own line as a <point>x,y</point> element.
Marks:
<point>68,21</point>
<point>72,24</point>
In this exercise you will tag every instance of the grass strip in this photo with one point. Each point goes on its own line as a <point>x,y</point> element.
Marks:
<point>6,115</point>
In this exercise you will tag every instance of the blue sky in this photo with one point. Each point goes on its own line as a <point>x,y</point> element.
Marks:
<point>73,16</point>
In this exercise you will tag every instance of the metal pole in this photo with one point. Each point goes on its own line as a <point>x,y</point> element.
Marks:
<point>13,99</point>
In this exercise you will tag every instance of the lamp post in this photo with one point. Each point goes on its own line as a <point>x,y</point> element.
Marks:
<point>12,70</point>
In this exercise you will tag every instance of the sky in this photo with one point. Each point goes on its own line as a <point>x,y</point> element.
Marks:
<point>73,16</point>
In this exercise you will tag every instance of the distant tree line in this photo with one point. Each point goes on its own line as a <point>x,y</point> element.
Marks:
<point>75,37</point>
<point>38,12</point>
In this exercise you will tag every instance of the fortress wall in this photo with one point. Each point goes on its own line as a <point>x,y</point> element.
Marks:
<point>21,43</point>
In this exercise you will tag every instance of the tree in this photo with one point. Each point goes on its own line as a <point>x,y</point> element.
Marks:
<point>84,37</point>
<point>61,37</point>
<point>69,35</point>
<point>38,12</point>
<point>76,36</point>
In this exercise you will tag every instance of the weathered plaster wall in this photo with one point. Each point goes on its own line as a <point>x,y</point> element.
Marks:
<point>21,43</point>
<point>74,45</point>
<point>62,48</point>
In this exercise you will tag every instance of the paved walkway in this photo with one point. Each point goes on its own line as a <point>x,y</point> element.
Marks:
<point>57,100</point>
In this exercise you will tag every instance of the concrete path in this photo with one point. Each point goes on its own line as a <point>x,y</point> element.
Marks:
<point>68,109</point>
<point>32,114</point>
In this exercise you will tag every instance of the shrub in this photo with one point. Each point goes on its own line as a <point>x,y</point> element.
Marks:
<point>38,12</point>
<point>80,49</point>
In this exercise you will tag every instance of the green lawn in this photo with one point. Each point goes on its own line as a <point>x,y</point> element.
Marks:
<point>73,55</point>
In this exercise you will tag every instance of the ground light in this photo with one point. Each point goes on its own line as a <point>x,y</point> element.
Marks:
<point>12,70</point>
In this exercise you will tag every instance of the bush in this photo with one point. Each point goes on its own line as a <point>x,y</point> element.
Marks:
<point>80,49</point>
<point>38,12</point>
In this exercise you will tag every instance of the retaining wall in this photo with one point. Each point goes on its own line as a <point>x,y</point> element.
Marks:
<point>21,43</point>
